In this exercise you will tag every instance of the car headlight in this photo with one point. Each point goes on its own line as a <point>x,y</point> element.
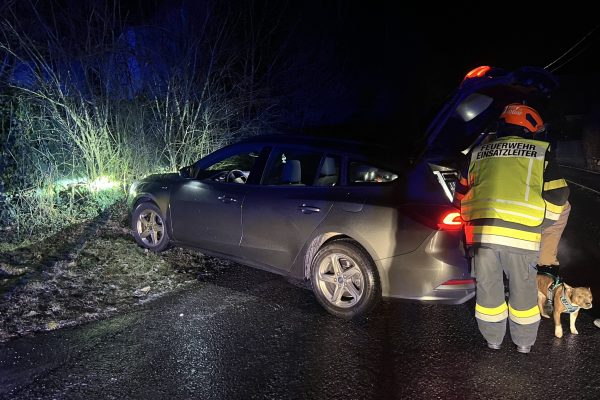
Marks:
<point>133,189</point>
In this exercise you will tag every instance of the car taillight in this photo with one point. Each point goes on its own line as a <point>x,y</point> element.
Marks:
<point>436,216</point>
<point>458,284</point>
<point>477,72</point>
<point>451,221</point>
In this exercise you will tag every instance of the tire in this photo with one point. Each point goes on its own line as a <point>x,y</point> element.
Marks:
<point>345,279</point>
<point>149,227</point>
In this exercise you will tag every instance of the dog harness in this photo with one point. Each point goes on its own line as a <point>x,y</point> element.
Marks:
<point>569,307</point>
<point>556,283</point>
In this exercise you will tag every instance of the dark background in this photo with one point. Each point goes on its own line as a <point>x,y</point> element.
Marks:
<point>379,66</point>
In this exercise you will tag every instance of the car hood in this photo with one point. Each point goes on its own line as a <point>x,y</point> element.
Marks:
<point>163,178</point>
<point>474,107</point>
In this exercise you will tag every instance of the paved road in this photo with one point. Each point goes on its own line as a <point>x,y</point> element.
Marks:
<point>248,334</point>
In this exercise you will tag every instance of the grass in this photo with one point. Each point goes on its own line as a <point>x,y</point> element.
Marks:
<point>73,119</point>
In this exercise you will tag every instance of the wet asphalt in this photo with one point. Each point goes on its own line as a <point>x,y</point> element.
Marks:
<point>248,334</point>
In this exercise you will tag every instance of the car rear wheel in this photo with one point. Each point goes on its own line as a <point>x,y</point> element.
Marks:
<point>345,279</point>
<point>149,228</point>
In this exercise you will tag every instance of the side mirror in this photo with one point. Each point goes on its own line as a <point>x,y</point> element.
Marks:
<point>184,172</point>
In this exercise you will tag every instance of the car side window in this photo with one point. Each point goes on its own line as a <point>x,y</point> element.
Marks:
<point>292,167</point>
<point>235,168</point>
<point>359,173</point>
<point>329,172</point>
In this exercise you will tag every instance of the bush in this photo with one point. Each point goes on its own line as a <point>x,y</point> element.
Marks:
<point>86,110</point>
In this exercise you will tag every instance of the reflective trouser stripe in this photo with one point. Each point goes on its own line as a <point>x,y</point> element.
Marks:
<point>524,317</point>
<point>495,314</point>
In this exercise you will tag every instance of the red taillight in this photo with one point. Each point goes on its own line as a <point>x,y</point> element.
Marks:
<point>451,221</point>
<point>478,72</point>
<point>458,284</point>
<point>455,282</point>
<point>434,216</point>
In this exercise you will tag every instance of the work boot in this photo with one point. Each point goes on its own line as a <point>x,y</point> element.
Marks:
<point>523,349</point>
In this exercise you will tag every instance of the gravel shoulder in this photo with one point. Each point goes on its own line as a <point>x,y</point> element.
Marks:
<point>89,271</point>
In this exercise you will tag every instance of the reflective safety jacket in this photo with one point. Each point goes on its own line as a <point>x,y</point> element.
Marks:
<point>511,188</point>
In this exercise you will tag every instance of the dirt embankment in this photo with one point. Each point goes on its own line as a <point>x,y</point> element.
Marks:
<point>89,271</point>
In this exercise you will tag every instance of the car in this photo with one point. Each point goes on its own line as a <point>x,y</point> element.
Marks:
<point>359,221</point>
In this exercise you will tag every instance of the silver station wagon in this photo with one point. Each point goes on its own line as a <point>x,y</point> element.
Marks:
<point>359,221</point>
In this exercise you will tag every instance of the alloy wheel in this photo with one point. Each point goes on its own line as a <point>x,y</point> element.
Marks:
<point>340,280</point>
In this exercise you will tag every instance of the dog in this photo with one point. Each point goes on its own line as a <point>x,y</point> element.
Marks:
<point>574,299</point>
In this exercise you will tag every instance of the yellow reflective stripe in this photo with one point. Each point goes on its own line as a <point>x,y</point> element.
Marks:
<point>524,317</point>
<point>524,313</point>
<point>504,201</point>
<point>472,210</point>
<point>502,231</point>
<point>555,184</point>
<point>491,310</point>
<point>518,214</point>
<point>495,314</point>
<point>554,208</point>
<point>505,241</point>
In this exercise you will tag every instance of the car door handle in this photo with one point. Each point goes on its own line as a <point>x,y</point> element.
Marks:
<point>227,199</point>
<point>304,209</point>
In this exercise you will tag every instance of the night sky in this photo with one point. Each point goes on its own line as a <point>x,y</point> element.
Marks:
<point>376,64</point>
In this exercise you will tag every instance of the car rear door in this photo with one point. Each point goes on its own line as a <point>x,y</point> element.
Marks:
<point>281,214</point>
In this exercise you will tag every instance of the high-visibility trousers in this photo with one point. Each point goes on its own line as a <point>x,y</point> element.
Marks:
<point>492,309</point>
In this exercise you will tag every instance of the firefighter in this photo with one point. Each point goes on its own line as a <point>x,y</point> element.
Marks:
<point>503,194</point>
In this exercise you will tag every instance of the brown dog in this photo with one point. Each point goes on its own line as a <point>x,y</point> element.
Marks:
<point>574,298</point>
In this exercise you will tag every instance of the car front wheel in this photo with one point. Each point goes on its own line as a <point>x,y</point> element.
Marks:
<point>149,228</point>
<point>345,280</point>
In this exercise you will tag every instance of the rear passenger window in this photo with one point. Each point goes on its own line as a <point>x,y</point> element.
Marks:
<point>329,172</point>
<point>359,172</point>
<point>292,167</point>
